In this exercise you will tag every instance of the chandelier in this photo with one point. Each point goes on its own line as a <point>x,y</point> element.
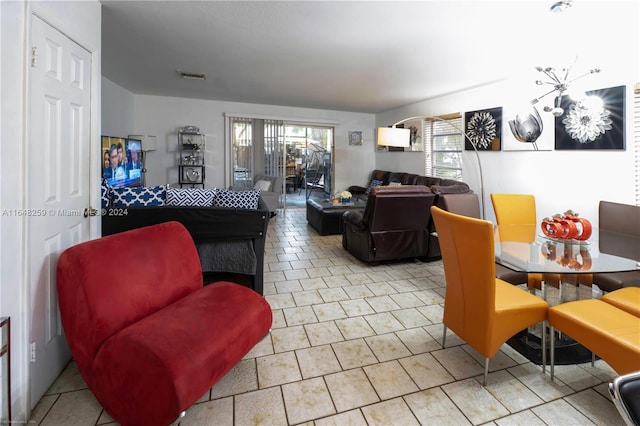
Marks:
<point>560,82</point>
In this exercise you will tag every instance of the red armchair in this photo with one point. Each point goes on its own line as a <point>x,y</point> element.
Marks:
<point>148,338</point>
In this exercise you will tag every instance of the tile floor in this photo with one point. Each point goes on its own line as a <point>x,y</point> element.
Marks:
<point>354,344</point>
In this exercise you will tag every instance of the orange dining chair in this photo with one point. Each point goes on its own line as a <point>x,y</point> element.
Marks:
<point>468,205</point>
<point>481,309</point>
<point>520,209</point>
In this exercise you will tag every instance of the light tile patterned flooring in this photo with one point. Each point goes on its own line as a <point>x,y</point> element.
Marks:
<point>354,344</point>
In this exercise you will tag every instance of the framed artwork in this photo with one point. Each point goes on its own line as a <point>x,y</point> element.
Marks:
<point>527,119</point>
<point>591,124</point>
<point>484,128</point>
<point>355,138</point>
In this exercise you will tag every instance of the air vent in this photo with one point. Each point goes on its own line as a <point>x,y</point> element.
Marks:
<point>192,75</point>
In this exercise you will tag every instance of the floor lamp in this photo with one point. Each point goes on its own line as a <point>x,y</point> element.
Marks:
<point>394,136</point>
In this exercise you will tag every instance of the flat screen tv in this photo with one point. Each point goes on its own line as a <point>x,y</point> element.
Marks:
<point>122,161</point>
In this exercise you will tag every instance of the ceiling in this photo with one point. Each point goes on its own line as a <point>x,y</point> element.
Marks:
<point>362,56</point>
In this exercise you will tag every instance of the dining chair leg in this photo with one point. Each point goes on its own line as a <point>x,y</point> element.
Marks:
<point>593,358</point>
<point>544,345</point>
<point>444,336</point>
<point>552,341</point>
<point>486,371</point>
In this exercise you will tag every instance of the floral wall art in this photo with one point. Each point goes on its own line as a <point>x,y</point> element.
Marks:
<point>595,122</point>
<point>484,128</point>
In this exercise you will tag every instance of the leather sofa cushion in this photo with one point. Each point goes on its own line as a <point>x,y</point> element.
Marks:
<point>449,189</point>
<point>380,175</point>
<point>409,179</point>
<point>397,176</point>
<point>428,181</point>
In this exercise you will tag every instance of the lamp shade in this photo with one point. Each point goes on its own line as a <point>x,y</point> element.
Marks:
<point>393,136</point>
<point>149,143</point>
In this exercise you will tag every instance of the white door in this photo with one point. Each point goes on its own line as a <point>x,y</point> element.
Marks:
<point>57,175</point>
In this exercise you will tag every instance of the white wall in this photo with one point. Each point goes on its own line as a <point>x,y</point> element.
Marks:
<point>81,22</point>
<point>118,110</point>
<point>162,116</point>
<point>559,179</point>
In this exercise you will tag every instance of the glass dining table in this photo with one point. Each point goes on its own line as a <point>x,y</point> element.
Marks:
<point>524,248</point>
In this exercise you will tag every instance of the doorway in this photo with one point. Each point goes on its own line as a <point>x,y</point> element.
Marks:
<point>300,153</point>
<point>308,162</point>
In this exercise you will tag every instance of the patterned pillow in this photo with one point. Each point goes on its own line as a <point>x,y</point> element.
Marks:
<point>105,194</point>
<point>195,197</point>
<point>373,183</point>
<point>237,199</point>
<point>139,196</point>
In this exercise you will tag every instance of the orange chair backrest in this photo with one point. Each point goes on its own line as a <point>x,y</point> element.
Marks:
<point>467,249</point>
<point>514,209</point>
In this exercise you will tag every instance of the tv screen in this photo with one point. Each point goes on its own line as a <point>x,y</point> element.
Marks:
<point>121,161</point>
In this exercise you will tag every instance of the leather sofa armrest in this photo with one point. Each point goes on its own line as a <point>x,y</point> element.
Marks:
<point>353,217</point>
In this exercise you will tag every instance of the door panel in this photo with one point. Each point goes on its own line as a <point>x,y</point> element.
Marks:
<point>57,190</point>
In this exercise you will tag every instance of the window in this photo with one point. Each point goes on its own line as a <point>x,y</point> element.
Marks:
<point>444,146</point>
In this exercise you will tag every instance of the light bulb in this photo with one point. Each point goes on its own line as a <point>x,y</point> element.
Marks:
<point>557,111</point>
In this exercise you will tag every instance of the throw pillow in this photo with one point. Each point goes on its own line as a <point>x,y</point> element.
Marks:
<point>139,196</point>
<point>395,184</point>
<point>194,197</point>
<point>105,194</point>
<point>373,183</point>
<point>237,199</point>
<point>262,185</point>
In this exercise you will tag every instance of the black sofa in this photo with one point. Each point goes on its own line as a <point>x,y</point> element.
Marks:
<point>230,241</point>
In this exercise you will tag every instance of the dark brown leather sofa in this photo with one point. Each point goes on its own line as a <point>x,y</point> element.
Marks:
<point>437,185</point>
<point>394,224</point>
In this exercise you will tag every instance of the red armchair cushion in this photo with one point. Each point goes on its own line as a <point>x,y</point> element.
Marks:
<point>168,360</point>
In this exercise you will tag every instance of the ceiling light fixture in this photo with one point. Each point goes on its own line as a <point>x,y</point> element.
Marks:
<point>560,85</point>
<point>191,75</point>
<point>560,6</point>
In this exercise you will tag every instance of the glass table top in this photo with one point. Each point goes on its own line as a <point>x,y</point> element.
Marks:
<point>521,248</point>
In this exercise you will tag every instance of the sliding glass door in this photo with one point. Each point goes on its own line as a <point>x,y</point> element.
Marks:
<point>300,153</point>
<point>308,159</point>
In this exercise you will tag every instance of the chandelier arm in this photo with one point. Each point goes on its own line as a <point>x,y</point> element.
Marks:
<point>542,96</point>
<point>583,75</point>
<point>552,75</point>
<point>566,74</point>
